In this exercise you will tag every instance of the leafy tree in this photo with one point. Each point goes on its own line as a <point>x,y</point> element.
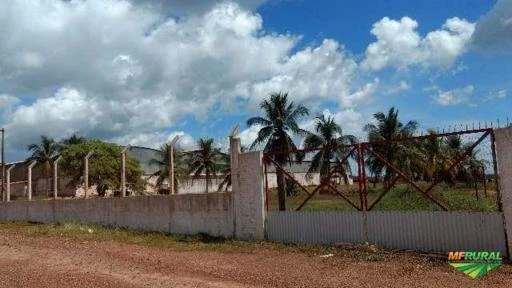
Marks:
<point>278,127</point>
<point>44,153</point>
<point>162,160</point>
<point>204,161</point>
<point>328,134</point>
<point>104,166</point>
<point>400,154</point>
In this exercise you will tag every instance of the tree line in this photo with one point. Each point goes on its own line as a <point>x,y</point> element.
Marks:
<point>422,160</point>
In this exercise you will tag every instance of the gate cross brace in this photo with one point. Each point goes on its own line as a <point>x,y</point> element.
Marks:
<point>394,169</point>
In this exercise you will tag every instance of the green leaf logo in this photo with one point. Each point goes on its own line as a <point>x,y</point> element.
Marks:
<point>475,270</point>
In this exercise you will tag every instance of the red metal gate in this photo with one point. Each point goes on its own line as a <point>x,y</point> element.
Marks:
<point>361,151</point>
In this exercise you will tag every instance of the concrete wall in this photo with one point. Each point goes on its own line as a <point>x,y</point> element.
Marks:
<point>237,214</point>
<point>503,143</point>
<point>180,214</point>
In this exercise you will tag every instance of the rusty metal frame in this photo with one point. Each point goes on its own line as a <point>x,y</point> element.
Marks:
<point>326,181</point>
<point>363,147</point>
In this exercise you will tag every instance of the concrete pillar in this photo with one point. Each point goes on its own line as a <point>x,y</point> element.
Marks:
<point>30,179</point>
<point>8,178</point>
<point>170,160</point>
<point>86,173</point>
<point>170,182</point>
<point>56,177</point>
<point>123,171</point>
<point>503,144</point>
<point>234,150</point>
<point>248,192</point>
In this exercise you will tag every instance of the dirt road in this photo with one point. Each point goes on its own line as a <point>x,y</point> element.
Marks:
<point>43,261</point>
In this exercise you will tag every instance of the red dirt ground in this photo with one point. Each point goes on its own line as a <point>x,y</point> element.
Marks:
<point>43,261</point>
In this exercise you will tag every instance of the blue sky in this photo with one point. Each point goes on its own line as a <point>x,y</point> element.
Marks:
<point>127,72</point>
<point>349,23</point>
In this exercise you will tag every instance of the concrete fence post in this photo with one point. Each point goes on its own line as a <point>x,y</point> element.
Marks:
<point>86,173</point>
<point>8,188</point>
<point>123,170</point>
<point>30,179</point>
<point>248,192</point>
<point>503,142</point>
<point>170,160</point>
<point>56,177</point>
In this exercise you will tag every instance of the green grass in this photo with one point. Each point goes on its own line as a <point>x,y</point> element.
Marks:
<point>182,243</point>
<point>402,197</point>
<point>99,233</point>
<point>200,242</point>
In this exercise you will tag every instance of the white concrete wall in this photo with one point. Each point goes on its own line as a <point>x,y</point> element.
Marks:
<point>503,138</point>
<point>179,214</point>
<point>239,214</point>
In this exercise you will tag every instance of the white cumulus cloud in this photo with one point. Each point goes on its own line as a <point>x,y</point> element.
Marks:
<point>453,97</point>
<point>109,68</point>
<point>400,45</point>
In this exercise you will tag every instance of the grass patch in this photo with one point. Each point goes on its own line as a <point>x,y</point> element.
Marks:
<point>98,233</point>
<point>402,197</point>
<point>200,242</point>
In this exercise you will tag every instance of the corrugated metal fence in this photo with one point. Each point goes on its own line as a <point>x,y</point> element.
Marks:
<point>315,227</point>
<point>423,231</point>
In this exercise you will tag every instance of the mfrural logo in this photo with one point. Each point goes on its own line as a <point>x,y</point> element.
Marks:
<point>475,264</point>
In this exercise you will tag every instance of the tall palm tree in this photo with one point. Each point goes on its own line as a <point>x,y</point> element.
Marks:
<point>389,127</point>
<point>328,134</point>
<point>204,161</point>
<point>278,127</point>
<point>44,153</point>
<point>162,160</point>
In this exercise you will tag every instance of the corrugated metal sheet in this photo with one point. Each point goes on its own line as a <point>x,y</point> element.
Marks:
<point>315,227</point>
<point>422,231</point>
<point>437,231</point>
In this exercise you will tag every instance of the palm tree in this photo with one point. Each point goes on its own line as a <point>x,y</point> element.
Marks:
<point>73,139</point>
<point>389,127</point>
<point>204,161</point>
<point>224,168</point>
<point>278,126</point>
<point>44,153</point>
<point>162,160</point>
<point>328,134</point>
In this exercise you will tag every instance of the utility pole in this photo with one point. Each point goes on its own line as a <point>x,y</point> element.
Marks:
<point>171,164</point>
